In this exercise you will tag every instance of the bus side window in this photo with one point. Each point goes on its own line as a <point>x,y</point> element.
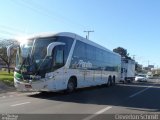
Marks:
<point>122,70</point>
<point>59,58</point>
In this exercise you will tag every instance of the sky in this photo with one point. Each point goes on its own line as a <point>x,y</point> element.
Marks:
<point>131,24</point>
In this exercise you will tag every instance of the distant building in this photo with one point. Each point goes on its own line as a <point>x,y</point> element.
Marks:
<point>156,71</point>
<point>151,66</point>
<point>146,68</point>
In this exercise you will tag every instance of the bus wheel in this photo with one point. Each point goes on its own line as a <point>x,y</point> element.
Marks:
<point>113,81</point>
<point>109,82</point>
<point>71,86</point>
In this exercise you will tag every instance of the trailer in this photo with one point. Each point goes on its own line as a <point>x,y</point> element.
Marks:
<point>127,70</point>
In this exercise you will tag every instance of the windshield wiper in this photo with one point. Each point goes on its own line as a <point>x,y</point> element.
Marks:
<point>24,61</point>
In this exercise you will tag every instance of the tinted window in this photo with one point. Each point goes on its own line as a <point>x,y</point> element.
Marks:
<point>99,59</point>
<point>90,52</point>
<point>80,51</point>
<point>41,45</point>
<point>68,44</point>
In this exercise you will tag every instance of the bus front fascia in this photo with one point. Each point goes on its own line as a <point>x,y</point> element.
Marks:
<point>50,48</point>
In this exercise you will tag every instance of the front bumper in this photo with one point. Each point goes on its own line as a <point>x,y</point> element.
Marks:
<point>142,80</point>
<point>33,86</point>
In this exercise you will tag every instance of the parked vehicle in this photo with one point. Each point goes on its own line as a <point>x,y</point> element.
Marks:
<point>141,78</point>
<point>127,70</point>
<point>149,76</point>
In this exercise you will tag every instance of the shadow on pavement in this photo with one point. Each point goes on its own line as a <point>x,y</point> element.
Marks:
<point>113,96</point>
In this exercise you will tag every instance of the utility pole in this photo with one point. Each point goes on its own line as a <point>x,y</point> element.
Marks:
<point>148,63</point>
<point>88,32</point>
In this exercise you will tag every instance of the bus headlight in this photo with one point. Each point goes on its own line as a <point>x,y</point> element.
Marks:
<point>49,75</point>
<point>30,81</point>
<point>35,77</point>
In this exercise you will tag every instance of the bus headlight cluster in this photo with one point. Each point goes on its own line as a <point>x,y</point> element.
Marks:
<point>35,77</point>
<point>49,75</point>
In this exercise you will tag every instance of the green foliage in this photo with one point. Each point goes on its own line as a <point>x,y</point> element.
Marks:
<point>138,68</point>
<point>122,51</point>
<point>6,77</point>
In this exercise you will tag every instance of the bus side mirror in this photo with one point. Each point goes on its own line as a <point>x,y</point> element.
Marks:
<point>9,49</point>
<point>51,46</point>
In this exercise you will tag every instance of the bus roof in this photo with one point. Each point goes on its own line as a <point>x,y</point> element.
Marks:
<point>72,35</point>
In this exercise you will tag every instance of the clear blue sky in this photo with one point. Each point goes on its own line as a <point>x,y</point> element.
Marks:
<point>132,24</point>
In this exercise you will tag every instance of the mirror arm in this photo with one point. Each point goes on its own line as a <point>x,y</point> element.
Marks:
<point>51,46</point>
<point>9,49</point>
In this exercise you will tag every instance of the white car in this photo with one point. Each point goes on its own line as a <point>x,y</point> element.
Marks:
<point>141,78</point>
<point>149,76</point>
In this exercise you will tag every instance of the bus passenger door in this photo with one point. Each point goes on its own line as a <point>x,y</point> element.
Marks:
<point>58,64</point>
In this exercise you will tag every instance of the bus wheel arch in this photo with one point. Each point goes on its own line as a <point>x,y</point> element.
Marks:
<point>72,84</point>
<point>109,83</point>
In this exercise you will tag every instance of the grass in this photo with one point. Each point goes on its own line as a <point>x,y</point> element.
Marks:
<point>6,77</point>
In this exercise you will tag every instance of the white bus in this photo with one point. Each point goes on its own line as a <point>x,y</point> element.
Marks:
<point>64,61</point>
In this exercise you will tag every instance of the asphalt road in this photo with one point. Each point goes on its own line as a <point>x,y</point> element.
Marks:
<point>88,103</point>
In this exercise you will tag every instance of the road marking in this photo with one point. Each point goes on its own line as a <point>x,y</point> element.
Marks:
<point>137,93</point>
<point>3,96</point>
<point>97,113</point>
<point>157,80</point>
<point>10,95</point>
<point>135,85</point>
<point>20,104</point>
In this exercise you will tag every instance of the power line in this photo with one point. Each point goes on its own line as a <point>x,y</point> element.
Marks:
<point>11,29</point>
<point>38,11</point>
<point>6,32</point>
<point>55,14</point>
<point>42,10</point>
<point>9,32</point>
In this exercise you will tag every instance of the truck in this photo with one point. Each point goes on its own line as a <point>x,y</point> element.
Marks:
<point>127,70</point>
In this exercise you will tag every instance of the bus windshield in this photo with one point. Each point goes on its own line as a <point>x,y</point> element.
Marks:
<point>23,53</point>
<point>31,55</point>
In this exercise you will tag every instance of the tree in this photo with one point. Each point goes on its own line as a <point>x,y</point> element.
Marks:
<point>138,68</point>
<point>121,51</point>
<point>3,52</point>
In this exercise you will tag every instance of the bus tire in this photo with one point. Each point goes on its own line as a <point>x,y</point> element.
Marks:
<point>71,86</point>
<point>123,82</point>
<point>113,81</point>
<point>109,82</point>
